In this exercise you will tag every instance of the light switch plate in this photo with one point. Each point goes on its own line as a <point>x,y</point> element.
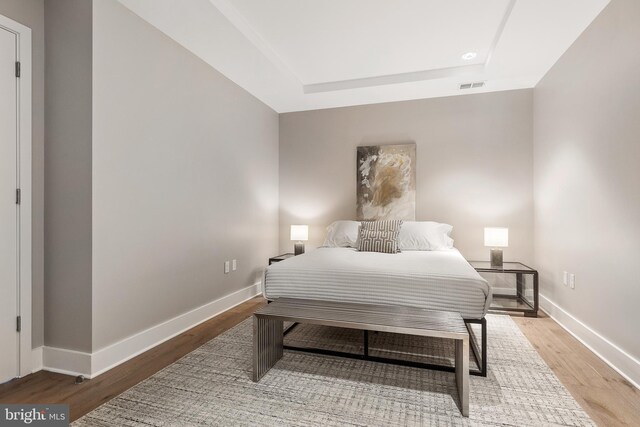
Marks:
<point>572,281</point>
<point>565,278</point>
<point>234,265</point>
<point>226,267</point>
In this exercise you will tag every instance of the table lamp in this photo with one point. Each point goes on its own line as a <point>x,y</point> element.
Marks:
<point>299,233</point>
<point>496,237</point>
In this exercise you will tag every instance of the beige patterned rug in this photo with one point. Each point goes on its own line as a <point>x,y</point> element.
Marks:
<point>212,386</point>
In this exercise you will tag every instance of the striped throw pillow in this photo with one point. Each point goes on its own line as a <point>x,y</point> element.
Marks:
<point>386,225</point>
<point>378,241</point>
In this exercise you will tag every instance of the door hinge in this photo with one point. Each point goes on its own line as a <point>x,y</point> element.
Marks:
<point>18,196</point>
<point>17,68</point>
<point>19,323</point>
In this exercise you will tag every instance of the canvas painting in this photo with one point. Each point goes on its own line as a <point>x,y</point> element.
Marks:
<point>387,182</point>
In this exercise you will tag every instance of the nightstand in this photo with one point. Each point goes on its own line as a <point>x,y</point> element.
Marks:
<point>280,258</point>
<point>523,298</point>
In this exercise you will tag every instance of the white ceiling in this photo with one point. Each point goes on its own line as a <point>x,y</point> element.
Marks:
<point>324,41</point>
<point>308,54</point>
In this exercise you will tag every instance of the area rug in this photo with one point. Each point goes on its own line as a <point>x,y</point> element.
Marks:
<point>212,386</point>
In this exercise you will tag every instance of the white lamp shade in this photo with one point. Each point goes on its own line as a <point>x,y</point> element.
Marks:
<point>496,237</point>
<point>299,232</point>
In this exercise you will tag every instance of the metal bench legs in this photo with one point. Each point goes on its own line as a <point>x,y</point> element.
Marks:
<point>267,345</point>
<point>462,374</point>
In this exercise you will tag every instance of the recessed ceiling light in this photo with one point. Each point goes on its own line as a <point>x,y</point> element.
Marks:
<point>469,56</point>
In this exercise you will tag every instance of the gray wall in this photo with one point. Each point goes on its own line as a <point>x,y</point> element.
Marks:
<point>67,309</point>
<point>185,176</point>
<point>31,14</point>
<point>587,178</point>
<point>474,165</point>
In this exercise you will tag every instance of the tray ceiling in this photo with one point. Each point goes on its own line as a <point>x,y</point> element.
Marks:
<point>308,54</point>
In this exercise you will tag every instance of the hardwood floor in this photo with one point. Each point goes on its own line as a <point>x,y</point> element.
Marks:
<point>604,394</point>
<point>48,387</point>
<point>608,398</point>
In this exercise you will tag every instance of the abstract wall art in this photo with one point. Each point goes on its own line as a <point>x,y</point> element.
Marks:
<point>386,182</point>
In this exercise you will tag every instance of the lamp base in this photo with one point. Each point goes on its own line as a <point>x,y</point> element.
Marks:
<point>298,248</point>
<point>496,257</point>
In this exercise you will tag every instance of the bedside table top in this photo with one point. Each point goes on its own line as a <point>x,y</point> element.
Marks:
<point>281,257</point>
<point>514,267</point>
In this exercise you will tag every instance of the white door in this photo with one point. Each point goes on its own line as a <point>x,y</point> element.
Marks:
<point>9,238</point>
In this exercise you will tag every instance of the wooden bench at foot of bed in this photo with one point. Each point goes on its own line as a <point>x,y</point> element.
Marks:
<point>268,330</point>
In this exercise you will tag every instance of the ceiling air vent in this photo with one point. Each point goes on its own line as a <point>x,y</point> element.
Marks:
<point>471,85</point>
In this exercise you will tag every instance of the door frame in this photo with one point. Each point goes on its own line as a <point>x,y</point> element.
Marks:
<point>23,45</point>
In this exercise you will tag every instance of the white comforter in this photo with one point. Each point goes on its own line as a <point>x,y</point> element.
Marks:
<point>437,280</point>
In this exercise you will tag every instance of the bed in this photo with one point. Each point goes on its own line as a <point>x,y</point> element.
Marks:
<point>430,279</point>
<point>436,280</point>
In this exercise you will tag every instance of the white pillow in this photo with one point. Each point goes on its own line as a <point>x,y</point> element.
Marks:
<point>342,234</point>
<point>425,236</point>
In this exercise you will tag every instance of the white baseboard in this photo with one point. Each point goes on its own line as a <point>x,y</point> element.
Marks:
<point>69,362</point>
<point>622,362</point>
<point>93,364</point>
<point>121,351</point>
<point>36,359</point>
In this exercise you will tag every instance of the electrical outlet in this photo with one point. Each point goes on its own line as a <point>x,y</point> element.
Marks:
<point>226,267</point>
<point>572,281</point>
<point>565,278</point>
<point>234,265</point>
